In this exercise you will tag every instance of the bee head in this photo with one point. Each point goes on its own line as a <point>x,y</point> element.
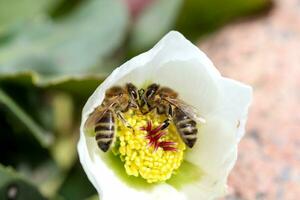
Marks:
<point>133,93</point>
<point>148,96</point>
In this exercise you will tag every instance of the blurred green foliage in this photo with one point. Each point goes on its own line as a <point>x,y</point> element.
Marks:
<point>201,17</point>
<point>53,54</point>
<point>13,13</point>
<point>73,45</point>
<point>153,23</point>
<point>14,186</point>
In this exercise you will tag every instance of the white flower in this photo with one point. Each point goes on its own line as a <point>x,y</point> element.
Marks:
<point>177,63</point>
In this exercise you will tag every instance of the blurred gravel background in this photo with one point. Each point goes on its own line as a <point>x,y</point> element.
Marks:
<point>264,52</point>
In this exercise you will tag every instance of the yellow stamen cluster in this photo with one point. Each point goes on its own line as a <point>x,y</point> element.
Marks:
<point>143,160</point>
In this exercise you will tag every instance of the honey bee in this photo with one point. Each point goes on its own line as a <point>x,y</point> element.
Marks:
<point>166,101</point>
<point>101,121</point>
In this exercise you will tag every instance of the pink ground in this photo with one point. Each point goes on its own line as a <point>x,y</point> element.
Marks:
<point>265,53</point>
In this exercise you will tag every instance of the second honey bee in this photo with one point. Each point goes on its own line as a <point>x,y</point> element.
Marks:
<point>117,100</point>
<point>166,101</point>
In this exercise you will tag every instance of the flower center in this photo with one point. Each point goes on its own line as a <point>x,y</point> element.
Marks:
<point>148,151</point>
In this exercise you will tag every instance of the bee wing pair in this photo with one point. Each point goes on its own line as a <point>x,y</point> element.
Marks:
<point>189,110</point>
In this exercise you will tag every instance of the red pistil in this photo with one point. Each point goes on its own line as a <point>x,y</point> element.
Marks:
<point>156,130</point>
<point>153,135</point>
<point>167,146</point>
<point>148,127</point>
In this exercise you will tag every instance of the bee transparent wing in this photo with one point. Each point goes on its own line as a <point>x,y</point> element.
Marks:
<point>92,119</point>
<point>189,110</point>
<point>96,115</point>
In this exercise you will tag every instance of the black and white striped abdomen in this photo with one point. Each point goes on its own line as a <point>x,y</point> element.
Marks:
<point>105,131</point>
<point>186,127</point>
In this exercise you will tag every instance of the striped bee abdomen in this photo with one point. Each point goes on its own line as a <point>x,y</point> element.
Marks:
<point>186,127</point>
<point>105,130</point>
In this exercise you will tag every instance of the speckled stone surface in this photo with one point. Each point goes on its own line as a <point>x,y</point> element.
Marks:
<point>265,53</point>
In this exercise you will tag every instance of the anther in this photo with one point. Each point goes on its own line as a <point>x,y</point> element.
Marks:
<point>153,152</point>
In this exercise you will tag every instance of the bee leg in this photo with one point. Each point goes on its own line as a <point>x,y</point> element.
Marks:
<point>167,122</point>
<point>123,120</point>
<point>170,112</point>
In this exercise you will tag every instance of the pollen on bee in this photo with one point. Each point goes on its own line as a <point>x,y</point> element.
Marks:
<point>154,156</point>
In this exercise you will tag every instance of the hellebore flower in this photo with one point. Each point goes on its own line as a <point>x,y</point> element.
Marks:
<point>146,163</point>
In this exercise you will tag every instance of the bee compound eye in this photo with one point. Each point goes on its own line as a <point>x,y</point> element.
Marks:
<point>132,90</point>
<point>134,94</point>
<point>151,90</point>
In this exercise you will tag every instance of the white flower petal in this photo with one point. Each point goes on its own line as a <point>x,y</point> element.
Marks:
<point>216,148</point>
<point>177,63</point>
<point>108,184</point>
<point>237,98</point>
<point>173,62</point>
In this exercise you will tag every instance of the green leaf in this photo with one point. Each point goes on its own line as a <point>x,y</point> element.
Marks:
<point>44,137</point>
<point>153,23</point>
<point>75,45</point>
<point>15,186</point>
<point>36,164</point>
<point>49,177</point>
<point>200,16</point>
<point>50,166</point>
<point>94,197</point>
<point>77,185</point>
<point>13,12</point>
<point>82,86</point>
